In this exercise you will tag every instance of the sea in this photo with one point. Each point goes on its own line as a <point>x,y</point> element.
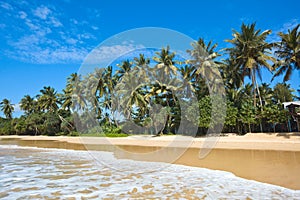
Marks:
<point>50,173</point>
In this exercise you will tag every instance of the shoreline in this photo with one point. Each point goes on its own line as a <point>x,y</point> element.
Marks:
<point>252,141</point>
<point>262,157</point>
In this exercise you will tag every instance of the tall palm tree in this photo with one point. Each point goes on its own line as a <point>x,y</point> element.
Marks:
<point>165,62</point>
<point>289,53</point>
<point>187,74</point>
<point>129,95</point>
<point>266,93</point>
<point>124,68</point>
<point>27,104</point>
<point>232,74</point>
<point>206,68</point>
<point>68,92</point>
<point>7,108</point>
<point>48,100</point>
<point>142,66</point>
<point>251,52</point>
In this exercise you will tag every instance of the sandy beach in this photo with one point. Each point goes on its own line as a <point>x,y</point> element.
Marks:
<point>269,158</point>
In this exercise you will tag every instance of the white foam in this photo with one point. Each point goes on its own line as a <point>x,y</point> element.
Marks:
<point>77,174</point>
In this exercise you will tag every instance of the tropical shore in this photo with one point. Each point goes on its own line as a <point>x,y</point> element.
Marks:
<point>270,158</point>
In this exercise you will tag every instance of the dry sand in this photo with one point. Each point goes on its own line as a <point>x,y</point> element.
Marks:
<point>270,158</point>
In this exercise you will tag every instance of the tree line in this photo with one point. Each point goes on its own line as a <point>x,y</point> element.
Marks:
<point>142,83</point>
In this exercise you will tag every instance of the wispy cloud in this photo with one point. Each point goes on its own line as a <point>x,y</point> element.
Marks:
<point>284,28</point>
<point>110,53</point>
<point>6,6</point>
<point>43,35</point>
<point>42,12</point>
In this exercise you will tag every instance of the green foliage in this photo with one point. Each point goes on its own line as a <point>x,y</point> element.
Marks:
<point>51,113</point>
<point>247,113</point>
<point>6,127</point>
<point>275,114</point>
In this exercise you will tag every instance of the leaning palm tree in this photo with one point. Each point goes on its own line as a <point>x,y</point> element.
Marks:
<point>7,108</point>
<point>251,52</point>
<point>289,53</point>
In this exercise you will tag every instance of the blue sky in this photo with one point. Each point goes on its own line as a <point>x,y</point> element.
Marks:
<point>42,42</point>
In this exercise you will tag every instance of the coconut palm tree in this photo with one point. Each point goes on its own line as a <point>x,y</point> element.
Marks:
<point>124,68</point>
<point>27,104</point>
<point>206,68</point>
<point>232,74</point>
<point>165,62</point>
<point>7,108</point>
<point>68,92</point>
<point>48,100</point>
<point>142,66</point>
<point>283,93</point>
<point>251,52</point>
<point>289,53</point>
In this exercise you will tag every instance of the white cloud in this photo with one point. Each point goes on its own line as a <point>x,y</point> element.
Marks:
<point>95,28</point>
<point>71,41</point>
<point>6,6</point>
<point>55,22</point>
<point>41,36</point>
<point>109,53</point>
<point>42,12</point>
<point>17,108</point>
<point>289,25</point>
<point>22,15</point>
<point>284,28</point>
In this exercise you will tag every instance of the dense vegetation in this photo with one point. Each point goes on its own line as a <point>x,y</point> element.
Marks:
<point>250,107</point>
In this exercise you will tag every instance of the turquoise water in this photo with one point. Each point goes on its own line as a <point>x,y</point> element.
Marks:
<point>40,173</point>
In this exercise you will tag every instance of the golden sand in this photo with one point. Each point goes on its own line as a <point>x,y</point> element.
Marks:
<point>270,158</point>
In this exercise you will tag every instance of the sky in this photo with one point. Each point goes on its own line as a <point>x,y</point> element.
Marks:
<point>43,42</point>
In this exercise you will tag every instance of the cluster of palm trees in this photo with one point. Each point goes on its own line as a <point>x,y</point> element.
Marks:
<point>156,92</point>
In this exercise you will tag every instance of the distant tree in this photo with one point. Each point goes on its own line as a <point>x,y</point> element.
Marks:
<point>27,104</point>
<point>247,113</point>
<point>274,113</point>
<point>283,93</point>
<point>7,108</point>
<point>48,100</point>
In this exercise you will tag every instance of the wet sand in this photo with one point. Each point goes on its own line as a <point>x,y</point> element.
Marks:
<point>269,158</point>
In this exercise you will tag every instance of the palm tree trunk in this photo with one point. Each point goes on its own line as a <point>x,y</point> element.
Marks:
<point>254,86</point>
<point>261,105</point>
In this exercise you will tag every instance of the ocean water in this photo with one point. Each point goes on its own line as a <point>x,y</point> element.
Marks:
<point>40,173</point>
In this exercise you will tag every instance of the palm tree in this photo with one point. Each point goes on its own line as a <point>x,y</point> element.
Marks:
<point>129,95</point>
<point>124,68</point>
<point>251,52</point>
<point>266,93</point>
<point>165,62</point>
<point>68,92</point>
<point>206,69</point>
<point>232,74</point>
<point>48,100</point>
<point>7,108</point>
<point>283,93</point>
<point>289,53</point>
<point>27,104</point>
<point>142,66</point>
<point>187,74</point>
